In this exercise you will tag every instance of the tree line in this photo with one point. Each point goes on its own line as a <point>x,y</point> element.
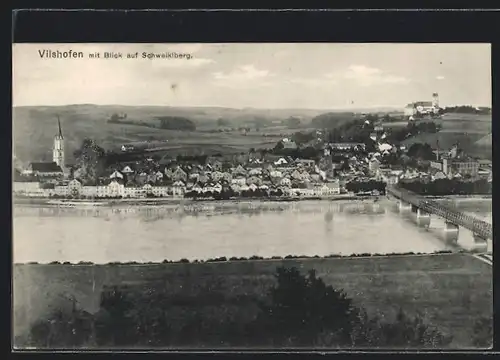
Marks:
<point>366,186</point>
<point>228,193</point>
<point>442,187</point>
<point>165,122</point>
<point>412,129</point>
<point>256,257</point>
<point>467,109</point>
<point>176,123</point>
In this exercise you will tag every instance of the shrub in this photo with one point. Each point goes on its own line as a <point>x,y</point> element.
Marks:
<point>61,330</point>
<point>483,333</point>
<point>407,332</point>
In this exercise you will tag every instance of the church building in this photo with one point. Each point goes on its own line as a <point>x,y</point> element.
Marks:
<point>423,107</point>
<point>54,169</point>
<point>58,149</point>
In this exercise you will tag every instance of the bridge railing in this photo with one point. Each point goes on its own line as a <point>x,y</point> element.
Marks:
<point>455,216</point>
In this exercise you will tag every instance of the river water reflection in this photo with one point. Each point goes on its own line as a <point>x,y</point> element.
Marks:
<point>209,230</point>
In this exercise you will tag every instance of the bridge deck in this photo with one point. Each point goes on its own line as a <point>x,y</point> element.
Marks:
<point>450,214</point>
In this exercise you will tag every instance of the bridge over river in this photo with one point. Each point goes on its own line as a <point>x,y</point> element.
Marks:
<point>454,218</point>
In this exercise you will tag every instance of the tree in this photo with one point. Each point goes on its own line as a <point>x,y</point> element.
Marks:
<point>302,307</point>
<point>309,153</point>
<point>222,122</point>
<point>90,159</point>
<point>302,137</point>
<point>292,122</point>
<point>387,118</point>
<point>176,123</point>
<point>421,151</point>
<point>332,120</point>
<point>114,325</point>
<point>279,146</point>
<point>114,118</point>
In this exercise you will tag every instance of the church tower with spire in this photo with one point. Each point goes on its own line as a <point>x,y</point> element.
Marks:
<point>58,150</point>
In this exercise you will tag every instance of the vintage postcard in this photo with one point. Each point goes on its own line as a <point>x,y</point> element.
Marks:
<point>252,196</point>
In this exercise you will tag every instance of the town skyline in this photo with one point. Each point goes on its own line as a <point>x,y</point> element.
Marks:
<point>259,76</point>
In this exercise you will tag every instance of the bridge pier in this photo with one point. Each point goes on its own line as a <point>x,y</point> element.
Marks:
<point>480,244</point>
<point>403,206</point>
<point>423,218</point>
<point>450,232</point>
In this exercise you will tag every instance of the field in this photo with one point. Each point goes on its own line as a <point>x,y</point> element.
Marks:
<point>469,123</point>
<point>395,125</point>
<point>35,127</point>
<point>451,290</point>
<point>467,130</point>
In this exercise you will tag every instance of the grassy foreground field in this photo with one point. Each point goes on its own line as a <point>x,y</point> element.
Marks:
<point>452,291</point>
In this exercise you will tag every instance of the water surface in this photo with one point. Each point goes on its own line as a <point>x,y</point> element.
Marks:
<point>204,231</point>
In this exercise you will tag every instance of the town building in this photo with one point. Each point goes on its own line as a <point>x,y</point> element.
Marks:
<point>453,162</point>
<point>460,166</point>
<point>55,168</point>
<point>307,163</point>
<point>44,170</point>
<point>346,146</point>
<point>423,107</point>
<point>374,165</point>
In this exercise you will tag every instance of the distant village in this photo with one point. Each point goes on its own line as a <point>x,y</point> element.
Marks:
<point>343,169</point>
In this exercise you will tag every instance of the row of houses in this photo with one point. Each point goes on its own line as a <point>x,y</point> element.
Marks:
<point>116,188</point>
<point>240,175</point>
<point>394,176</point>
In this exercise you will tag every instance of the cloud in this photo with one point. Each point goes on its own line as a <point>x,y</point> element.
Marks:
<point>440,77</point>
<point>181,63</point>
<point>367,76</point>
<point>314,82</point>
<point>242,76</point>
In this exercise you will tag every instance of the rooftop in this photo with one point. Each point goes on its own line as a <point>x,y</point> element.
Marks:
<point>422,103</point>
<point>45,167</point>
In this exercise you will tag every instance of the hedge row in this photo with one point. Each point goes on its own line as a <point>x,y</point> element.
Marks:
<point>234,258</point>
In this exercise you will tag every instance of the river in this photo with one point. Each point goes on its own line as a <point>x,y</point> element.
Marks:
<point>155,233</point>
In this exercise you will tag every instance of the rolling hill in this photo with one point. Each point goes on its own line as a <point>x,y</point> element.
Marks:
<point>472,132</point>
<point>485,141</point>
<point>35,126</point>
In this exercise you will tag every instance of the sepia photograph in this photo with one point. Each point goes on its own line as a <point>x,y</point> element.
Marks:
<point>270,196</point>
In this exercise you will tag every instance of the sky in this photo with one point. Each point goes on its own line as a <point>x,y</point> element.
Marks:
<point>300,75</point>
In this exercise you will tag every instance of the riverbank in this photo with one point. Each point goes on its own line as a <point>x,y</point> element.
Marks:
<point>227,292</point>
<point>178,201</point>
<point>461,197</point>
<point>255,259</point>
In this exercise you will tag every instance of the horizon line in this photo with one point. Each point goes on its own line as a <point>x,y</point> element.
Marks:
<point>244,107</point>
